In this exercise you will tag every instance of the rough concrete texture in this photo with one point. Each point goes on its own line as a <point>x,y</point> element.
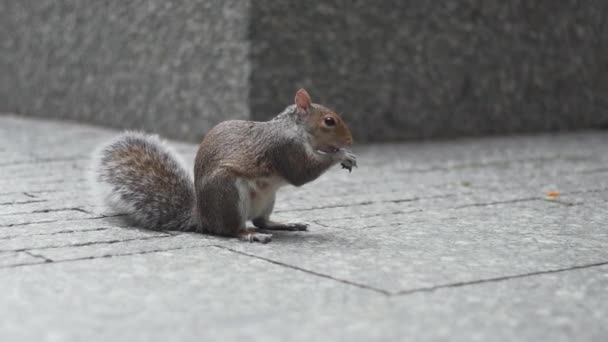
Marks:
<point>174,67</point>
<point>395,69</point>
<point>444,241</point>
<point>423,69</point>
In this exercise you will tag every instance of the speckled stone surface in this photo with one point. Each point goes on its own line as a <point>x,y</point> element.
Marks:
<point>422,69</point>
<point>425,241</point>
<point>173,67</point>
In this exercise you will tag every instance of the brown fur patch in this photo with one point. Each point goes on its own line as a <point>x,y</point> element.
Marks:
<point>338,135</point>
<point>136,157</point>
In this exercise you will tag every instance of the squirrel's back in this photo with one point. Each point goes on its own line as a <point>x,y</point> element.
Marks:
<point>139,176</point>
<point>242,147</point>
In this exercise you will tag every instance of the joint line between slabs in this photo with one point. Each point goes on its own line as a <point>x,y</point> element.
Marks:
<point>322,275</point>
<point>497,279</point>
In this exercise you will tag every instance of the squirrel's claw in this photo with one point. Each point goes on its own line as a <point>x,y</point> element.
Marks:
<point>349,161</point>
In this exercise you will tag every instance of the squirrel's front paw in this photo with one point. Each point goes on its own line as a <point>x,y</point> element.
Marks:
<point>349,161</point>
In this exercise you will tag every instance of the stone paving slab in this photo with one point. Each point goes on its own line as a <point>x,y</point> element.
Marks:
<point>444,240</point>
<point>188,295</point>
<point>128,246</point>
<point>75,239</point>
<point>404,253</point>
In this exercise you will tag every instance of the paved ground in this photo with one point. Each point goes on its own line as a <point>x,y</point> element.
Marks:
<point>425,241</point>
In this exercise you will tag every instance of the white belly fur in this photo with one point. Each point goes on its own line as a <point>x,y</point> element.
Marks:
<point>257,194</point>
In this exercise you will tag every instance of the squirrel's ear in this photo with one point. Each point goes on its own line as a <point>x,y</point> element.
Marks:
<point>303,101</point>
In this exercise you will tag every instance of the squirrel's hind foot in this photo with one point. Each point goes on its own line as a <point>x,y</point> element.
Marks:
<point>266,224</point>
<point>292,227</point>
<point>252,236</point>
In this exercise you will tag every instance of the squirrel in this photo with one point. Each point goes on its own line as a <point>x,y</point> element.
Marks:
<point>238,168</point>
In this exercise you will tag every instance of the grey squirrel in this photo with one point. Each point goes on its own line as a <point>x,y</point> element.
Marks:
<point>239,167</point>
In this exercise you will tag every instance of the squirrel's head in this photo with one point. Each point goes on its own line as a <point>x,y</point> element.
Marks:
<point>328,132</point>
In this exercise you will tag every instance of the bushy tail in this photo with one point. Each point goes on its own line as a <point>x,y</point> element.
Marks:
<point>139,176</point>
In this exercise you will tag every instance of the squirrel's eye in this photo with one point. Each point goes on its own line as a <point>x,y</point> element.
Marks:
<point>329,121</point>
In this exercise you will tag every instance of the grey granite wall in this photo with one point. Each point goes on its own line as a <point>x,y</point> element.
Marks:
<point>174,67</point>
<point>395,69</point>
<point>421,69</point>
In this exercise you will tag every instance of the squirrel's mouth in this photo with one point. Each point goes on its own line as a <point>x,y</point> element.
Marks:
<point>329,149</point>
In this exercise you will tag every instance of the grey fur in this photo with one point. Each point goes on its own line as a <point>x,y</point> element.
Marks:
<point>219,205</point>
<point>145,180</point>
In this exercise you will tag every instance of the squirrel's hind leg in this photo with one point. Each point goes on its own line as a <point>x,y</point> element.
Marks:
<point>223,207</point>
<point>264,221</point>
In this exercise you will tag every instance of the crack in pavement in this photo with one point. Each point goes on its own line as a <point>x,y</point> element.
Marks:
<point>497,279</point>
<point>82,244</point>
<point>22,202</point>
<point>396,212</point>
<point>61,209</point>
<point>42,211</point>
<point>484,204</point>
<point>30,192</point>
<point>72,173</point>
<point>535,198</point>
<point>65,220</point>
<point>43,161</point>
<point>364,203</point>
<point>385,225</point>
<point>560,202</point>
<point>322,275</point>
<point>105,256</point>
<point>38,256</point>
<point>592,171</point>
<point>67,231</point>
